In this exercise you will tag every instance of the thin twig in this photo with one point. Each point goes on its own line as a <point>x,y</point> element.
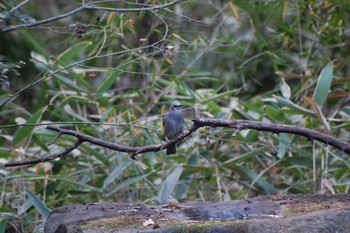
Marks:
<point>19,6</point>
<point>55,138</point>
<point>87,7</point>
<point>237,125</point>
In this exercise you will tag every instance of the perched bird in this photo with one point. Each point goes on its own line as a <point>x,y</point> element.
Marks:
<point>173,125</point>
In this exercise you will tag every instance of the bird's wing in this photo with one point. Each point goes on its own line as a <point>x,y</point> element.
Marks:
<point>164,119</point>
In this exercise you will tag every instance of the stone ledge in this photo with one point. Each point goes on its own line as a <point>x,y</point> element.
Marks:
<point>292,213</point>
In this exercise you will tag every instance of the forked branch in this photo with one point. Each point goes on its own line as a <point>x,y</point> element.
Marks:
<point>237,125</point>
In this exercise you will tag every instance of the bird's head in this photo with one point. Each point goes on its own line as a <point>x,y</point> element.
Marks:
<point>175,105</point>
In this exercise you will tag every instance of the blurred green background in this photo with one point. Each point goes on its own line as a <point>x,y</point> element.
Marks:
<point>112,75</point>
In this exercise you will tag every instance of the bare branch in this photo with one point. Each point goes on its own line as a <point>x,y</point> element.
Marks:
<point>237,125</point>
<point>45,159</point>
<point>89,7</point>
<point>275,128</point>
<point>19,6</point>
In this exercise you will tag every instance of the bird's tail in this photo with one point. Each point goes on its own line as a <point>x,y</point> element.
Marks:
<point>171,149</point>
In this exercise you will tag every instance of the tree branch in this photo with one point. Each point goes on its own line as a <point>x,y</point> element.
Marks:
<point>237,125</point>
<point>19,6</point>
<point>276,128</point>
<point>45,159</point>
<point>89,7</point>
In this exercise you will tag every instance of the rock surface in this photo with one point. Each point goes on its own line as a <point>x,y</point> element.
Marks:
<point>294,213</point>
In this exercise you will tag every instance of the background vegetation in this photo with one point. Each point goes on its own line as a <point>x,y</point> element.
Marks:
<point>112,75</point>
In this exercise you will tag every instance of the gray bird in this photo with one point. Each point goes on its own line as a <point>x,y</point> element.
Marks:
<point>173,125</point>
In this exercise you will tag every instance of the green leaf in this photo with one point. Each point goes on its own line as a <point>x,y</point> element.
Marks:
<point>299,161</point>
<point>242,157</point>
<point>169,184</point>
<point>106,114</point>
<point>342,171</point>
<point>269,189</point>
<point>5,152</point>
<point>261,182</point>
<point>110,80</point>
<point>25,131</point>
<point>277,115</point>
<point>79,79</point>
<point>220,96</point>
<point>38,204</point>
<point>189,170</point>
<point>128,182</point>
<point>37,46</point>
<point>282,146</point>
<point>72,52</point>
<point>69,83</point>
<point>99,155</point>
<point>6,211</point>
<point>293,106</point>
<point>3,226</point>
<point>84,185</point>
<point>4,99</point>
<point>117,171</point>
<point>251,136</point>
<point>189,91</point>
<point>148,136</point>
<point>323,85</point>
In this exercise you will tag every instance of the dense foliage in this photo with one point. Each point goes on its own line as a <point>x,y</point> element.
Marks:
<point>112,75</point>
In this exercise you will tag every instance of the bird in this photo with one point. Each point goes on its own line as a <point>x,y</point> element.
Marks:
<point>173,125</point>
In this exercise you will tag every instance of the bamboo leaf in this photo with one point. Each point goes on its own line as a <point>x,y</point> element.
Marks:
<point>108,82</point>
<point>84,185</point>
<point>169,184</point>
<point>3,226</point>
<point>261,182</point>
<point>69,83</point>
<point>25,131</point>
<point>293,106</point>
<point>4,99</point>
<point>38,204</point>
<point>318,112</point>
<point>277,115</point>
<point>149,137</point>
<point>117,171</point>
<point>282,145</point>
<point>220,96</point>
<point>128,182</point>
<point>72,52</point>
<point>323,85</point>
